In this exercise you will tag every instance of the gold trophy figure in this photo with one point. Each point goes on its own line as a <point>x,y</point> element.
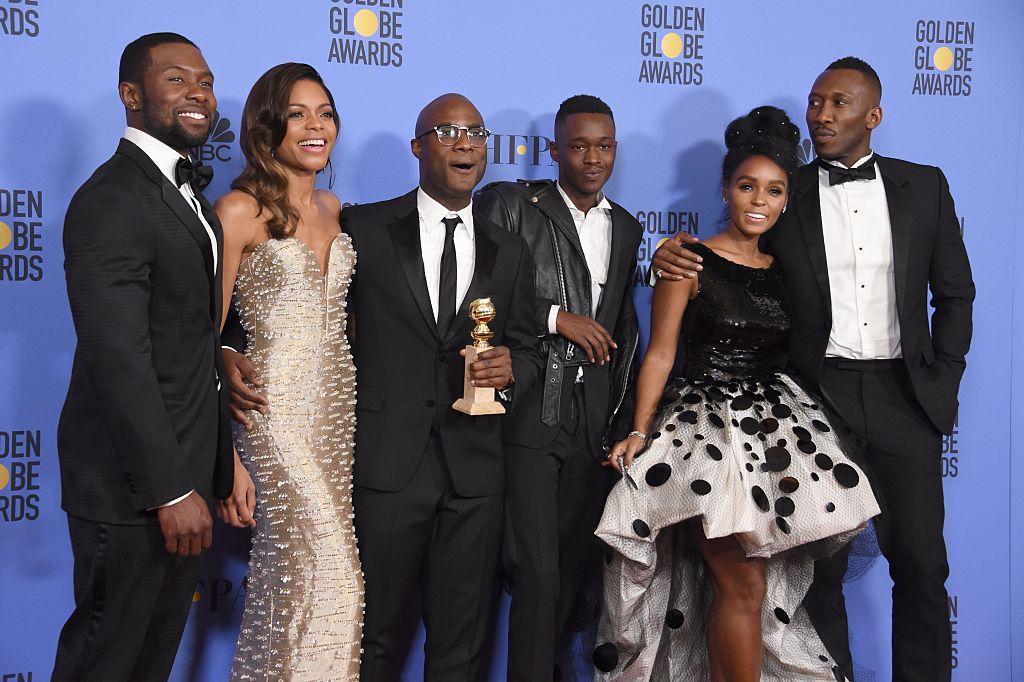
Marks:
<point>476,400</point>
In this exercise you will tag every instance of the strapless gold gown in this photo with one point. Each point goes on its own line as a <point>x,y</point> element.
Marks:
<point>304,598</point>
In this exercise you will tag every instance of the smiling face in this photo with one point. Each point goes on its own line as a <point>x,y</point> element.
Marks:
<point>842,110</point>
<point>585,152</point>
<point>312,128</point>
<point>449,174</point>
<point>756,195</point>
<point>175,101</point>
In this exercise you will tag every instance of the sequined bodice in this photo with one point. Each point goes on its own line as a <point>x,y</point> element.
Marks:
<point>737,325</point>
<point>283,299</point>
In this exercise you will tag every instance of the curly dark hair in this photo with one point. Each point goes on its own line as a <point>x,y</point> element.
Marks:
<point>264,125</point>
<point>765,131</point>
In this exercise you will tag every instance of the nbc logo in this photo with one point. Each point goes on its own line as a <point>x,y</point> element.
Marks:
<point>805,152</point>
<point>218,145</point>
<point>368,37</point>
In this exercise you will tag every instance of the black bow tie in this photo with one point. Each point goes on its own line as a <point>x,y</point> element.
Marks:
<point>837,175</point>
<point>198,176</point>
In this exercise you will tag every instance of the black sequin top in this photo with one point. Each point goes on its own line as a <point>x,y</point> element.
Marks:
<point>737,326</point>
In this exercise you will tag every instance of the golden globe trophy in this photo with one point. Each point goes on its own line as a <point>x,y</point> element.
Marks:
<point>477,400</point>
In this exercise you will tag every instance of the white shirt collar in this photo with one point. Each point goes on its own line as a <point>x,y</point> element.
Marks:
<point>602,202</point>
<point>859,162</point>
<point>432,212</point>
<point>163,156</point>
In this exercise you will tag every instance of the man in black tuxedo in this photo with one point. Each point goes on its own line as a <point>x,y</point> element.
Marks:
<point>429,481</point>
<point>143,440</point>
<point>864,239</point>
<point>584,248</point>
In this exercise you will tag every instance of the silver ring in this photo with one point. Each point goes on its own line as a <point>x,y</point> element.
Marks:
<point>657,273</point>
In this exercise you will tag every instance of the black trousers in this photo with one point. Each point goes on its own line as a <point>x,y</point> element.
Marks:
<point>904,454</point>
<point>427,540</point>
<point>132,599</point>
<point>554,498</point>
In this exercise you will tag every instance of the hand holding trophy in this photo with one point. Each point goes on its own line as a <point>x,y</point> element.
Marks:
<point>478,399</point>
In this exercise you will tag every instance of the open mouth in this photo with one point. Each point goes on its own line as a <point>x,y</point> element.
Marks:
<point>464,166</point>
<point>756,217</point>
<point>313,145</point>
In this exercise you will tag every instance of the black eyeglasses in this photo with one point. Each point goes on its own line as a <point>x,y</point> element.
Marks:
<point>449,133</point>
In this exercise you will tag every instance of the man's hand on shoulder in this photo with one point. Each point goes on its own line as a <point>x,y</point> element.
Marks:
<point>187,526</point>
<point>588,334</point>
<point>673,261</point>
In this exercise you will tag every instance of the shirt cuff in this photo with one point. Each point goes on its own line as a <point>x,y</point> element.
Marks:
<point>228,347</point>
<point>553,319</point>
<point>174,501</point>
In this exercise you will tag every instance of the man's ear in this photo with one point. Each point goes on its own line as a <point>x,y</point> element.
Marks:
<point>874,118</point>
<point>553,151</point>
<point>131,95</point>
<point>416,147</point>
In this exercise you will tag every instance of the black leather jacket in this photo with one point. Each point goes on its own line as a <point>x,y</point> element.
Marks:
<point>536,211</point>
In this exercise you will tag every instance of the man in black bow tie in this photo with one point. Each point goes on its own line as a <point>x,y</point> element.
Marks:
<point>144,440</point>
<point>864,240</point>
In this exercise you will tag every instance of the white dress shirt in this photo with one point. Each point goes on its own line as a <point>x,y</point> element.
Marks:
<point>166,159</point>
<point>431,213</point>
<point>595,230</point>
<point>858,248</point>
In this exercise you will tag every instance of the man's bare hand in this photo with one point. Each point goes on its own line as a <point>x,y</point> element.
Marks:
<point>241,377</point>
<point>586,333</point>
<point>673,261</point>
<point>492,369</point>
<point>187,526</point>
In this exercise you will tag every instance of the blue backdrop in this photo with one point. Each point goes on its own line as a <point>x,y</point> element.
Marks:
<point>674,74</point>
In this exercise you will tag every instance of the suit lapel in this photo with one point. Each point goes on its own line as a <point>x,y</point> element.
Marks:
<point>174,200</point>
<point>897,196</point>
<point>808,212</point>
<point>486,256</point>
<point>405,235</point>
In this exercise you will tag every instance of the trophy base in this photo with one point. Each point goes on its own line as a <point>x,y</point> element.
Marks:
<point>471,408</point>
<point>476,400</point>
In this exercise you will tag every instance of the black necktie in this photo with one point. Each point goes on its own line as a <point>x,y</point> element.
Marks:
<point>198,176</point>
<point>449,274</point>
<point>837,175</point>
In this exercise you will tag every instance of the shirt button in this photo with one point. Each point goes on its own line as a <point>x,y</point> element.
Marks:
<point>865,324</point>
<point>442,357</point>
<point>429,402</point>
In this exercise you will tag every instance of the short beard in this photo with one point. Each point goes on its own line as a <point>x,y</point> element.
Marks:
<point>173,134</point>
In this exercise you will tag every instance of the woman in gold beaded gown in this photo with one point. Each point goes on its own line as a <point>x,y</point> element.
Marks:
<point>289,268</point>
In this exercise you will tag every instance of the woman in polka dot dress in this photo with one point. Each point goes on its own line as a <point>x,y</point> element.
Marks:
<point>740,480</point>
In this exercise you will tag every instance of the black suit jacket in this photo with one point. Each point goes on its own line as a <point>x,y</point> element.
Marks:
<point>143,422</point>
<point>928,253</point>
<point>408,377</point>
<point>535,210</point>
